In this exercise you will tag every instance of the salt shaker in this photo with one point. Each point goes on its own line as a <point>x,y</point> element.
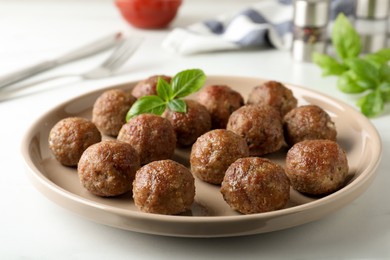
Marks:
<point>309,28</point>
<point>372,23</point>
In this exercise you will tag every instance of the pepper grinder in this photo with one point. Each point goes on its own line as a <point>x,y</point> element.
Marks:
<point>372,23</point>
<point>309,28</point>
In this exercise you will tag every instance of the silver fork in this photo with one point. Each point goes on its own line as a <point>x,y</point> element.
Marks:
<point>121,53</point>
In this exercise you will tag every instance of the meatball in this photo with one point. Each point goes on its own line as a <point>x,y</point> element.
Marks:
<point>275,94</point>
<point>148,86</point>
<point>260,126</point>
<point>164,187</point>
<point>69,138</point>
<point>213,152</point>
<point>110,109</point>
<point>220,101</point>
<point>255,185</point>
<point>316,167</point>
<point>307,123</point>
<point>152,136</point>
<point>108,168</point>
<point>190,125</point>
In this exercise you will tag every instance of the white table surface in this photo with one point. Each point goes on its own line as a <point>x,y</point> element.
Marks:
<point>33,227</point>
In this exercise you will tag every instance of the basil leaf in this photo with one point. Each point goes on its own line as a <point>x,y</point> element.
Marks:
<point>367,74</point>
<point>187,82</point>
<point>345,39</point>
<point>384,53</point>
<point>164,89</point>
<point>385,90</point>
<point>347,83</point>
<point>329,65</point>
<point>375,60</point>
<point>384,73</point>
<point>178,105</point>
<point>372,104</point>
<point>147,104</point>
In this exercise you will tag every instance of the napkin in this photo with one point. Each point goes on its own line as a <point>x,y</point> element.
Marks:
<point>265,24</point>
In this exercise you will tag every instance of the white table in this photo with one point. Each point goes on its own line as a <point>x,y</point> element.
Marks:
<point>32,227</point>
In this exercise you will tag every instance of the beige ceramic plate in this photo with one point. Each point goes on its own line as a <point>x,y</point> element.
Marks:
<point>210,215</point>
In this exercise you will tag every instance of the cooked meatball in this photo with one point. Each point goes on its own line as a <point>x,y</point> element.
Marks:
<point>316,167</point>
<point>213,152</point>
<point>152,136</point>
<point>148,86</point>
<point>255,185</point>
<point>164,187</point>
<point>108,168</point>
<point>190,125</point>
<point>275,94</point>
<point>260,126</point>
<point>220,101</point>
<point>307,123</point>
<point>69,138</point>
<point>110,109</point>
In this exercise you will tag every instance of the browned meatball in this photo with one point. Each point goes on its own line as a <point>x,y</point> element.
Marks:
<point>190,125</point>
<point>148,86</point>
<point>110,109</point>
<point>69,138</point>
<point>316,166</point>
<point>151,136</point>
<point>220,101</point>
<point>307,123</point>
<point>255,185</point>
<point>108,168</point>
<point>164,187</point>
<point>213,152</point>
<point>260,126</point>
<point>275,94</point>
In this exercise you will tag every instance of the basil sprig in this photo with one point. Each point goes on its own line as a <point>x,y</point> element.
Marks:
<point>368,75</point>
<point>169,95</point>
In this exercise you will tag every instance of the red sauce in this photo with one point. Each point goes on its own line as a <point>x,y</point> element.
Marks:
<point>148,14</point>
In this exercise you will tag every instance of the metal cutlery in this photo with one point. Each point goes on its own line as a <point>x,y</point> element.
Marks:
<point>82,52</point>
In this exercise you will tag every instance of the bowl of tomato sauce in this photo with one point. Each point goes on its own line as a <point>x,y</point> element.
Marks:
<point>148,14</point>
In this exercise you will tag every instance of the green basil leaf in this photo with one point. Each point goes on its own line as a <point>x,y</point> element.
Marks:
<point>372,104</point>
<point>178,105</point>
<point>187,82</point>
<point>347,83</point>
<point>147,104</point>
<point>164,90</point>
<point>367,74</point>
<point>345,39</point>
<point>384,73</point>
<point>384,87</point>
<point>384,53</point>
<point>375,59</point>
<point>329,65</point>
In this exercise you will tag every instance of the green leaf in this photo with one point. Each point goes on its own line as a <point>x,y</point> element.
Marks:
<point>329,65</point>
<point>147,104</point>
<point>347,83</point>
<point>384,53</point>
<point>164,90</point>
<point>187,82</point>
<point>178,105</point>
<point>384,73</point>
<point>375,60</point>
<point>372,104</point>
<point>345,39</point>
<point>366,73</point>
<point>384,87</point>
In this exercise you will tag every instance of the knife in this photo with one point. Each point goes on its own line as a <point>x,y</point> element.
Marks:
<point>82,52</point>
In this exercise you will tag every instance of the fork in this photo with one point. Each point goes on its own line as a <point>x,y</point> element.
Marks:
<point>121,53</point>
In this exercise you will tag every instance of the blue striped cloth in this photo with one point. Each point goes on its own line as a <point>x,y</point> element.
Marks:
<point>265,24</point>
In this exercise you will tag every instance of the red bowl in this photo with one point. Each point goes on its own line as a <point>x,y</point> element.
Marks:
<point>148,14</point>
